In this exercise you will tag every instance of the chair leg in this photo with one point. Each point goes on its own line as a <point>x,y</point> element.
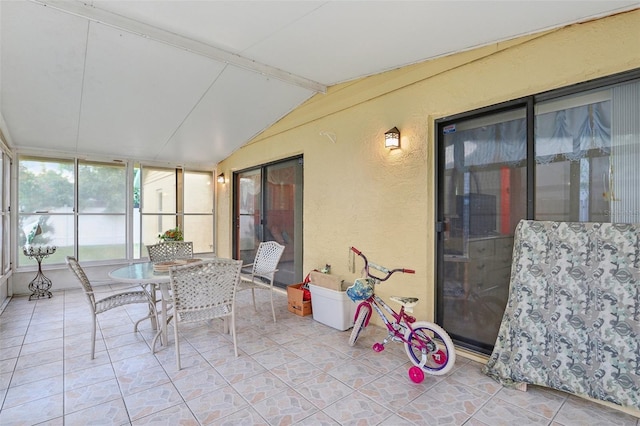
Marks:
<point>177,343</point>
<point>233,331</point>
<point>273,310</point>
<point>93,338</point>
<point>253,294</point>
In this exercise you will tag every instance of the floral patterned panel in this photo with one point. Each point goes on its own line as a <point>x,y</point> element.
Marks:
<point>572,321</point>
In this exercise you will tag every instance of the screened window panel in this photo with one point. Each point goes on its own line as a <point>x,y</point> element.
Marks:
<point>159,190</point>
<point>101,237</point>
<point>155,224</point>
<point>102,188</point>
<point>198,192</point>
<point>199,230</point>
<point>45,186</point>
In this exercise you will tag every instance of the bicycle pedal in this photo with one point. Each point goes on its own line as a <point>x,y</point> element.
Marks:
<point>378,347</point>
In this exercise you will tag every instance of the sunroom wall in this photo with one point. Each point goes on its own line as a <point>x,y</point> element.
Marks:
<point>383,202</point>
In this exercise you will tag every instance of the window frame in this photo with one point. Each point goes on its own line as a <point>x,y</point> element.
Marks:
<point>130,252</point>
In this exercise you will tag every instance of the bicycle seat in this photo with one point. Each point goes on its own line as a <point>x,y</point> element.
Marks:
<point>407,302</point>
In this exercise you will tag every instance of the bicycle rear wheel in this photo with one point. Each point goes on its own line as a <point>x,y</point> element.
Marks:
<point>358,326</point>
<point>430,348</point>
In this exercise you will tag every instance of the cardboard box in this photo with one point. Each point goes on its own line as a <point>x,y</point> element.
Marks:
<point>332,308</point>
<point>332,282</point>
<point>295,302</point>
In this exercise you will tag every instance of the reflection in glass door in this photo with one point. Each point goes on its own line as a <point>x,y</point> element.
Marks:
<point>268,207</point>
<point>483,197</point>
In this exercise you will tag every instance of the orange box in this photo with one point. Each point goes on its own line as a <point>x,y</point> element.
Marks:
<point>296,304</point>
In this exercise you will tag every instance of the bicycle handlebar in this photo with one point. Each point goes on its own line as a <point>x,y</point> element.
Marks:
<point>380,268</point>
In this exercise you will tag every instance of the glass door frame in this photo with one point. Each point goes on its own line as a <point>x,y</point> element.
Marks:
<point>261,229</point>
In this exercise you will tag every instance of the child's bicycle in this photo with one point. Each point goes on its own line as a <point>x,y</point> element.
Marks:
<point>428,346</point>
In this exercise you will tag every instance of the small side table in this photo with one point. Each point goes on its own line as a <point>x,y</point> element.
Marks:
<point>40,285</point>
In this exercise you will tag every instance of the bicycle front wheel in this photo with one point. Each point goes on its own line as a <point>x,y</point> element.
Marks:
<point>430,348</point>
<point>358,326</point>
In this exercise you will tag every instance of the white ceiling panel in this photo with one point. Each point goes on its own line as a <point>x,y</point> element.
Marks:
<point>232,25</point>
<point>240,105</point>
<point>189,82</point>
<point>42,69</point>
<point>341,41</point>
<point>137,108</point>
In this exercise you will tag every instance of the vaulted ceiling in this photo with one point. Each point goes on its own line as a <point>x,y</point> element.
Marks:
<point>191,81</point>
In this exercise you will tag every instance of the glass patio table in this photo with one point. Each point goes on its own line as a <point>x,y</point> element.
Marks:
<point>144,274</point>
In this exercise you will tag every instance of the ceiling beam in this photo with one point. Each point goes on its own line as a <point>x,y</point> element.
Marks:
<point>129,25</point>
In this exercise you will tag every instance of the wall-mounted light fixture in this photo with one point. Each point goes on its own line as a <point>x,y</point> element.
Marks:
<point>221,178</point>
<point>392,138</point>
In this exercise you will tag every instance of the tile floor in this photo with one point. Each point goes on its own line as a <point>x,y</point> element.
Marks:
<point>297,371</point>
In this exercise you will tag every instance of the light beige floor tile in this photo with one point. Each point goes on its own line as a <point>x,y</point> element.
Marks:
<point>245,416</point>
<point>202,382</point>
<point>285,408</point>
<point>44,371</point>
<point>237,369</point>
<point>470,374</point>
<point>8,365</point>
<point>274,357</point>
<point>90,396</point>
<point>535,399</point>
<point>127,351</point>
<point>395,420</point>
<point>152,400</point>
<point>323,390</point>
<point>22,394</point>
<point>500,413</point>
<point>454,396</point>
<point>357,409</point>
<point>138,381</point>
<point>176,415</point>
<point>35,359</point>
<point>393,392</point>
<point>88,376</point>
<point>258,387</point>
<point>355,374</point>
<point>111,412</point>
<point>33,412</point>
<point>581,411</point>
<point>298,371</point>
<point>217,404</point>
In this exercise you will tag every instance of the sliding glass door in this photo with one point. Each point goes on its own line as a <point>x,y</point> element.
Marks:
<point>569,156</point>
<point>268,207</point>
<point>483,198</point>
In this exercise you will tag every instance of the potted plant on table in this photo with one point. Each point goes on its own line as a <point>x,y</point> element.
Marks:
<point>174,234</point>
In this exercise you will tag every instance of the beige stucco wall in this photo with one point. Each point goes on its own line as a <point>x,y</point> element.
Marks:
<point>357,193</point>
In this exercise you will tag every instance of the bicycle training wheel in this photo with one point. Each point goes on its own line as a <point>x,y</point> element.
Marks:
<point>430,348</point>
<point>358,326</point>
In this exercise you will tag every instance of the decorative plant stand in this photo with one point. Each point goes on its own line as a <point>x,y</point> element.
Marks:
<point>40,285</point>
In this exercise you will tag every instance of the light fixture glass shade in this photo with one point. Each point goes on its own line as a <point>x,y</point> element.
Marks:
<point>392,138</point>
<point>221,178</point>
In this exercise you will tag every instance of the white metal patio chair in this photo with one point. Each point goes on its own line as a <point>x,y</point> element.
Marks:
<point>204,291</point>
<point>99,306</point>
<point>261,273</point>
<point>170,250</point>
<point>166,251</point>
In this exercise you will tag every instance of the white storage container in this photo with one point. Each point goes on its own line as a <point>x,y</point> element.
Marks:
<point>332,308</point>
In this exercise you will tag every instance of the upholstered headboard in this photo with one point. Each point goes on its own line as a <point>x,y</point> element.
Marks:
<point>572,321</point>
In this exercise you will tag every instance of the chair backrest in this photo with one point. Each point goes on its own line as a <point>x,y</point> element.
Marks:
<point>82,277</point>
<point>204,290</point>
<point>267,259</point>
<point>170,250</point>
